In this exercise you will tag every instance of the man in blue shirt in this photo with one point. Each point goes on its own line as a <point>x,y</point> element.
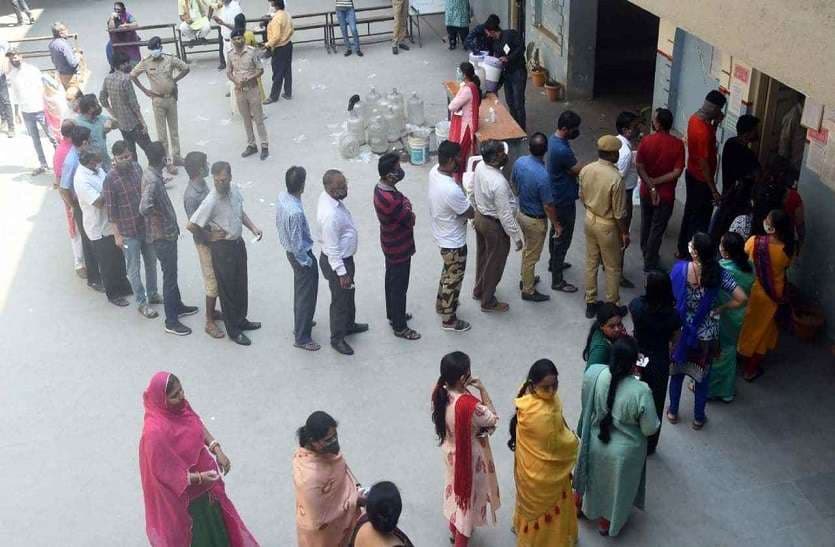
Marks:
<point>536,206</point>
<point>294,236</point>
<point>563,169</point>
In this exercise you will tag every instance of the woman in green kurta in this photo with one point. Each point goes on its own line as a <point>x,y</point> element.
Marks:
<point>723,371</point>
<point>607,328</point>
<point>617,417</point>
<point>457,20</point>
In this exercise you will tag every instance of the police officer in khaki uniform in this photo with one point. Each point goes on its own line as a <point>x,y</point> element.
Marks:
<point>243,70</point>
<point>607,233</point>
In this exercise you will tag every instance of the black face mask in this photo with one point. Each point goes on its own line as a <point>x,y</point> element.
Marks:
<point>332,447</point>
<point>397,176</point>
<point>502,162</point>
<point>574,133</point>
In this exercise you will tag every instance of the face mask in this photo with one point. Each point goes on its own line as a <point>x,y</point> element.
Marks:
<point>767,228</point>
<point>332,447</point>
<point>123,166</point>
<point>397,176</point>
<point>503,162</point>
<point>156,53</point>
<point>574,133</point>
<point>544,395</point>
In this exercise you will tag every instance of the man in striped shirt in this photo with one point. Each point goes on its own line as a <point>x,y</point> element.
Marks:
<point>397,222</point>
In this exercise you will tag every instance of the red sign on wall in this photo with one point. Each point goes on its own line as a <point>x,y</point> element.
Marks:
<point>742,74</point>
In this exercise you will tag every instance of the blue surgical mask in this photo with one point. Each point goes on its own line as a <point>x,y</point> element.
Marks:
<point>156,53</point>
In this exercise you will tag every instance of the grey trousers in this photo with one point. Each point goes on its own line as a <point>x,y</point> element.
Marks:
<point>305,294</point>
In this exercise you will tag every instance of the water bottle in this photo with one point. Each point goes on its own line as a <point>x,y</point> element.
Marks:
<point>392,126</point>
<point>372,98</point>
<point>356,126</point>
<point>415,110</point>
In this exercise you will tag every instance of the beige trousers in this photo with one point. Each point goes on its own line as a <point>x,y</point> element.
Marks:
<point>535,230</point>
<point>603,243</point>
<point>401,20</point>
<point>249,105</point>
<point>168,133</point>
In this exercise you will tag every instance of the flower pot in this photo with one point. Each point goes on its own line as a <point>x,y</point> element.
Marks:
<point>538,77</point>
<point>553,91</point>
<point>807,322</point>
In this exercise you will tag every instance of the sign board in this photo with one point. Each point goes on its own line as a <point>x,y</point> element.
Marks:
<point>424,7</point>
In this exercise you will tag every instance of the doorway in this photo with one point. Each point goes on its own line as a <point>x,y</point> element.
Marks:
<point>627,41</point>
<point>517,17</point>
<point>778,107</point>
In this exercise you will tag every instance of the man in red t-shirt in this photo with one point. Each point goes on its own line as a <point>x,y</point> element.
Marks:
<point>660,162</point>
<point>700,175</point>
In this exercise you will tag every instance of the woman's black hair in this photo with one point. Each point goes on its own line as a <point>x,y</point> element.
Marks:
<point>659,295</point>
<point>769,191</point>
<point>706,251</point>
<point>734,246</point>
<point>315,428</point>
<point>453,366</point>
<point>624,356</point>
<point>605,311</point>
<point>782,224</point>
<point>538,371</point>
<point>383,507</point>
<point>468,70</point>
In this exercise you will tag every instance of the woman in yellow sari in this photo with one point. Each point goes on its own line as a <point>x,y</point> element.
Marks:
<point>546,450</point>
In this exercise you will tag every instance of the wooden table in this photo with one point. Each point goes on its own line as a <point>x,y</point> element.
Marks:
<point>504,128</point>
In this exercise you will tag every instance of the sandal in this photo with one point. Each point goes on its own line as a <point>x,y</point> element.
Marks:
<point>309,346</point>
<point>756,375</point>
<point>672,418</point>
<point>212,330</point>
<point>407,334</point>
<point>497,307</point>
<point>564,286</point>
<point>697,425</point>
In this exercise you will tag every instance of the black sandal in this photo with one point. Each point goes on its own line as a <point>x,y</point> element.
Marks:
<point>407,334</point>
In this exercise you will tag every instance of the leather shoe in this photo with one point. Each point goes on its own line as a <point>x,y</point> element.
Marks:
<point>357,328</point>
<point>242,340</point>
<point>342,347</point>
<point>250,325</point>
<point>591,310</point>
<point>536,296</point>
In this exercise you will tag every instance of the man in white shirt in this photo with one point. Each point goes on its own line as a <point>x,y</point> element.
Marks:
<point>495,224</point>
<point>88,184</point>
<point>449,209</point>
<point>628,130</point>
<point>224,16</point>
<point>338,239</point>
<point>27,84</point>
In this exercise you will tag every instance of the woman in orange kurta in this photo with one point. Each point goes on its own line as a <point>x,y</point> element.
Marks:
<point>771,255</point>
<point>327,499</point>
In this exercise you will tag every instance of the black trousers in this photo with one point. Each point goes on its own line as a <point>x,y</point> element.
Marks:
<point>90,262</point>
<point>137,135</point>
<point>514,95</point>
<point>111,261</point>
<point>397,285</point>
<point>456,33</point>
<point>558,246</point>
<point>282,64</point>
<point>657,375</point>
<point>654,220</point>
<point>305,295</point>
<point>229,263</point>
<point>698,208</point>
<point>343,311</point>
<point>166,251</point>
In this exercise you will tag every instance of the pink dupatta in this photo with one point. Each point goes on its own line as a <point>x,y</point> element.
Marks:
<point>172,445</point>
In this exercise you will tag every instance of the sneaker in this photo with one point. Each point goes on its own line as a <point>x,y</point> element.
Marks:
<point>455,325</point>
<point>120,301</point>
<point>178,328</point>
<point>265,153</point>
<point>147,311</point>
<point>250,150</point>
<point>155,299</point>
<point>360,53</point>
<point>185,311</point>
<point>347,53</point>
<point>403,46</point>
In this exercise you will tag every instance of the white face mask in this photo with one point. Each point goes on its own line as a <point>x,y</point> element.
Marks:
<point>156,53</point>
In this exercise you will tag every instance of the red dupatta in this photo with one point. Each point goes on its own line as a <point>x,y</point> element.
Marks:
<point>456,129</point>
<point>463,484</point>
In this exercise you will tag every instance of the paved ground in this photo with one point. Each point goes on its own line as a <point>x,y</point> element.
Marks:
<point>761,473</point>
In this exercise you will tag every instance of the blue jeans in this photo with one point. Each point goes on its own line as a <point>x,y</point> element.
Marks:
<point>32,120</point>
<point>166,251</point>
<point>700,391</point>
<point>134,249</point>
<point>348,17</point>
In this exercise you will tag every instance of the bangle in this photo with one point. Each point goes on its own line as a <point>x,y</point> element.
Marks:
<point>199,478</point>
<point>213,444</point>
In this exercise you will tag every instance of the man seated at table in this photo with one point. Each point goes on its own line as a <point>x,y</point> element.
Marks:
<point>194,15</point>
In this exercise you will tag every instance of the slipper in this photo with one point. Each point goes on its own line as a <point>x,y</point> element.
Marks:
<point>564,287</point>
<point>697,426</point>
<point>212,330</point>
<point>497,307</point>
<point>756,375</point>
<point>672,418</point>
<point>309,346</point>
<point>407,334</point>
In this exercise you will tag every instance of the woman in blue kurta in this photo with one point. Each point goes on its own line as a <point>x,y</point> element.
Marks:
<point>617,417</point>
<point>457,20</point>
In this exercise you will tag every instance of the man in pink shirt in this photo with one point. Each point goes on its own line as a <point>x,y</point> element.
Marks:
<point>58,166</point>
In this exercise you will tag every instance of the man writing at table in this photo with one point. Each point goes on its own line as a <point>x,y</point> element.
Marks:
<point>509,47</point>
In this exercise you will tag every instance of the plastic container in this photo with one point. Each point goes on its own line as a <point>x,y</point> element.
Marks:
<point>492,73</point>
<point>356,126</point>
<point>372,99</point>
<point>419,147</point>
<point>400,117</point>
<point>396,98</point>
<point>442,131</point>
<point>415,110</point>
<point>362,111</point>
<point>476,58</point>
<point>392,126</point>
<point>377,135</point>
<point>349,146</point>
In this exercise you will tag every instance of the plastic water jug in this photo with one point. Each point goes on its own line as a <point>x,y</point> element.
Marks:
<point>492,73</point>
<point>356,126</point>
<point>372,98</point>
<point>377,135</point>
<point>349,146</point>
<point>395,97</point>
<point>415,110</point>
<point>362,112</point>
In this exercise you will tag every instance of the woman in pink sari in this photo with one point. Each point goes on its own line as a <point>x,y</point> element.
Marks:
<point>327,496</point>
<point>462,423</point>
<point>464,109</point>
<point>181,466</point>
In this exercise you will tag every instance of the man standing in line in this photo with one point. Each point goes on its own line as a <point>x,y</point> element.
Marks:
<point>400,8</point>
<point>509,47</point>
<point>536,207</point>
<point>563,169</point>
<point>347,16</point>
<point>119,98</point>
<point>162,231</point>
<point>339,244</point>
<point>61,152</point>
<point>194,17</point>
<point>397,238</point>
<point>495,224</point>
<point>27,84</point>
<point>627,127</point>
<point>89,179</point>
<point>659,162</point>
<point>700,174</point>
<point>607,236</point>
<point>243,70</point>
<point>63,57</point>
<point>90,116</point>
<point>6,110</point>
<point>80,137</point>
<point>225,19</point>
<point>223,211</point>
<point>294,236</point>
<point>740,167</point>
<point>279,43</point>
<point>197,168</point>
<point>449,209</point>
<point>163,93</point>
<point>122,190</point>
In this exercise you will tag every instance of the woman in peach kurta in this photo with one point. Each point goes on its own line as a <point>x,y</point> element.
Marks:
<point>464,110</point>
<point>327,499</point>
<point>771,255</point>
<point>463,423</point>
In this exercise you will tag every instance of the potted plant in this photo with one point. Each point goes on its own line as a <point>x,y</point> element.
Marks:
<point>538,73</point>
<point>553,89</point>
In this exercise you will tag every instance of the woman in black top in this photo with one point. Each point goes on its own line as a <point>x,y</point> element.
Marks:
<point>656,327</point>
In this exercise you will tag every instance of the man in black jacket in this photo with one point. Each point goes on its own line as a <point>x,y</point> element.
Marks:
<point>477,40</point>
<point>509,47</point>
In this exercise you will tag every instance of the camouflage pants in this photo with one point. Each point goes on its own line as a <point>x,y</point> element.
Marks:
<point>452,275</point>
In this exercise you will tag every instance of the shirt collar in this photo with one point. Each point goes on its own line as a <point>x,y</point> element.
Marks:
<point>385,186</point>
<point>332,202</point>
<point>625,141</point>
